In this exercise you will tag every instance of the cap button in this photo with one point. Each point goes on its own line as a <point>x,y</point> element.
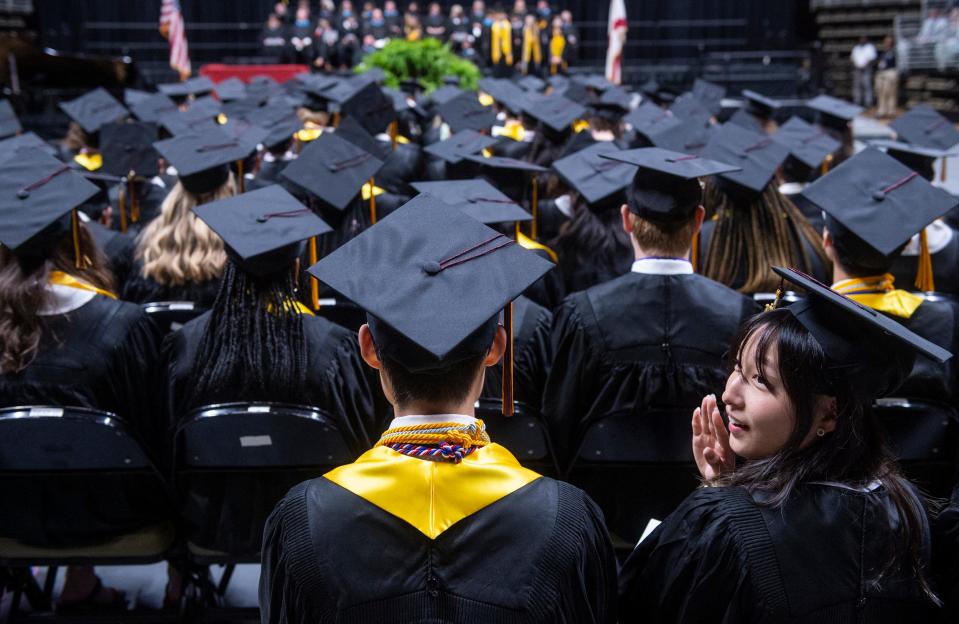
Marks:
<point>431,267</point>
<point>879,195</point>
<point>23,194</point>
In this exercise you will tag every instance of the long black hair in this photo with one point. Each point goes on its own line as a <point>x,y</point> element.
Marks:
<point>593,237</point>
<point>253,347</point>
<point>856,453</point>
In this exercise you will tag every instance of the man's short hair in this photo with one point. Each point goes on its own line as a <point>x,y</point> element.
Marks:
<point>449,385</point>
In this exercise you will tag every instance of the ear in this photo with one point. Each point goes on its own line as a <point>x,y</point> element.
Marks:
<point>368,348</point>
<point>627,217</point>
<point>699,216</point>
<point>829,245</point>
<point>497,349</point>
<point>826,413</point>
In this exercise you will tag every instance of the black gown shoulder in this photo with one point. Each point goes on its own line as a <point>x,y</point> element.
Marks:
<point>938,322</point>
<point>721,557</point>
<point>944,263</point>
<point>141,289</point>
<point>531,327</point>
<point>117,247</point>
<point>552,561</point>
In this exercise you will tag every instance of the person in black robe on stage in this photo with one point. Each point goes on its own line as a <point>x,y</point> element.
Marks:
<point>815,523</point>
<point>863,241</point>
<point>435,23</point>
<point>258,343</point>
<point>274,40</point>
<point>67,341</point>
<point>462,532</point>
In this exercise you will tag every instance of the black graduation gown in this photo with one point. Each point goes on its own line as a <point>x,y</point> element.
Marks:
<point>531,326</point>
<point>938,322</point>
<point>338,382</point>
<point>538,554</point>
<point>117,247</point>
<point>945,553</point>
<point>944,263</point>
<point>624,348</point>
<point>140,289</point>
<point>720,557</point>
<point>103,355</point>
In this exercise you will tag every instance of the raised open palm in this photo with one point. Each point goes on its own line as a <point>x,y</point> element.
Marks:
<point>711,448</point>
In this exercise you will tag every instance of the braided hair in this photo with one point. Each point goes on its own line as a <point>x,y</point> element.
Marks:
<point>752,235</point>
<point>253,347</point>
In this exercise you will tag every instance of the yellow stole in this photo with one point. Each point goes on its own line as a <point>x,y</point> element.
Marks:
<point>65,279</point>
<point>91,161</point>
<point>557,44</point>
<point>501,33</point>
<point>432,496</point>
<point>878,292</point>
<point>531,46</point>
<point>293,306</point>
<point>526,242</point>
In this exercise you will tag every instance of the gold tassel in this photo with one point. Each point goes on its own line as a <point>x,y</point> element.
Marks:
<point>132,194</point>
<point>694,252</point>
<point>508,361</point>
<point>314,284</point>
<point>533,230</point>
<point>393,130</point>
<point>372,202</point>
<point>122,207</point>
<point>75,230</point>
<point>924,279</point>
<point>826,163</point>
<point>336,120</point>
<point>239,169</point>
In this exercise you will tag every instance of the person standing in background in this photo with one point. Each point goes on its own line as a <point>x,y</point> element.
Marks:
<point>394,21</point>
<point>863,55</point>
<point>572,35</point>
<point>558,47</point>
<point>532,46</point>
<point>436,25</point>
<point>887,79</point>
<point>501,44</point>
<point>273,39</point>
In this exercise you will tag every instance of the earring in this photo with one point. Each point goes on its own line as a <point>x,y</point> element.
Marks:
<point>820,432</point>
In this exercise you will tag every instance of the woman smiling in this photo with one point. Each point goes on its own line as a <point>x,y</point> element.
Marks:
<point>813,521</point>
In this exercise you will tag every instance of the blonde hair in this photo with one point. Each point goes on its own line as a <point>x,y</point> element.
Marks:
<point>177,248</point>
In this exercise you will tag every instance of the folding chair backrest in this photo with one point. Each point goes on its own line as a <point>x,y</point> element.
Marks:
<point>172,315</point>
<point>658,435</point>
<point>344,313</point>
<point>523,434</point>
<point>918,430</point>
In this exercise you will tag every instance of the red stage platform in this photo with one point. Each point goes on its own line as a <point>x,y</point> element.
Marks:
<point>218,72</point>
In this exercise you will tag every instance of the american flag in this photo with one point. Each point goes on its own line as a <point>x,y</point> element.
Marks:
<point>173,29</point>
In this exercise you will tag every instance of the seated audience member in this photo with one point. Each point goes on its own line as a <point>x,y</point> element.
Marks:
<point>393,18</point>
<point>412,29</point>
<point>378,28</point>
<point>302,48</point>
<point>815,521</point>
<point>459,28</point>
<point>436,24</point>
<point>436,493</point>
<point>273,40</point>
<point>327,46</point>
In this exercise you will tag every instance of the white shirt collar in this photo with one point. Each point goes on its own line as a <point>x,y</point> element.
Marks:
<point>407,421</point>
<point>662,266</point>
<point>63,299</point>
<point>938,235</point>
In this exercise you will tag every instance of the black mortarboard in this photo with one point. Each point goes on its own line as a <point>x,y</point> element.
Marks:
<point>261,229</point>
<point>690,110</point>
<point>649,120</point>
<point>129,147</point>
<point>26,140</point>
<point>231,89</point>
<point>834,112</point>
<point>202,159</point>
<point>760,105</point>
<point>369,106</point>
<point>880,201</point>
<point>531,83</point>
<point>922,125</point>
<point>666,186</point>
<point>194,86</point>
<point>435,298</point>
<point>400,99</point>
<point>595,178</point>
<point>807,143</point>
<point>248,134</point>
<point>554,111</point>
<point>916,157</point>
<point>684,137</point>
<point>263,87</point>
<point>744,119</point>
<point>153,107</point>
<point>616,98</point>
<point>460,145</point>
<point>280,122</point>
<point>446,93</point>
<point>476,198</point>
<point>504,163</point>
<point>558,82</point>
<point>757,155</point>
<point>206,105</point>
<point>37,192</point>
<point>464,112</point>
<point>709,94</point>
<point>240,109</point>
<point>332,169</point>
<point>597,82</point>
<point>870,350</point>
<point>505,92</point>
<point>9,124</point>
<point>351,130</point>
<point>93,109</point>
<point>190,121</point>
<point>132,96</point>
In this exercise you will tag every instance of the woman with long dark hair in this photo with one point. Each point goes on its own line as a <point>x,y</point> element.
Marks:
<point>814,522</point>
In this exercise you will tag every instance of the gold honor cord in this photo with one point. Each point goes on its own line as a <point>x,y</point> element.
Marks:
<point>533,227</point>
<point>508,361</point>
<point>314,283</point>
<point>75,231</point>
<point>132,194</point>
<point>239,169</point>
<point>65,279</point>
<point>122,207</point>
<point>372,202</point>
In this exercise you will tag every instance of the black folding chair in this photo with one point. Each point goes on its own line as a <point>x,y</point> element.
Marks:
<point>523,434</point>
<point>172,315</point>
<point>233,463</point>
<point>636,466</point>
<point>342,312</point>
<point>925,437</point>
<point>77,488</point>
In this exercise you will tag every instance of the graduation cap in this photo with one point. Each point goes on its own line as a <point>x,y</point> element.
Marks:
<point>760,105</point>
<point>477,198</point>
<point>132,96</point>
<point>352,131</point>
<point>879,204</point>
<point>744,119</point>
<point>709,94</point>
<point>9,123</point>
<point>240,109</point>
<point>505,92</point>
<point>369,106</point>
<point>38,197</point>
<point>916,157</point>
<point>558,82</point>
<point>464,143</point>
<point>206,105</point>
<point>280,122</point>
<point>202,159</point>
<point>556,112</point>
<point>649,120</point>
<point>263,87</point>
<point>690,109</point>
<point>262,229</point>
<point>435,299</point>
<point>597,82</point>
<point>129,147</point>
<point>504,163</point>
<point>595,178</point>
<point>834,112</point>
<point>807,143</point>
<point>231,89</point>
<point>189,121</point>
<point>93,109</point>
<point>153,107</point>
<point>446,93</point>
<point>616,98</point>
<point>464,112</point>
<point>507,173</point>
<point>332,169</point>
<point>922,125</point>
<point>683,137</point>
<point>194,86</point>
<point>531,83</point>
<point>870,350</point>
<point>756,156</point>
<point>27,140</point>
<point>666,186</point>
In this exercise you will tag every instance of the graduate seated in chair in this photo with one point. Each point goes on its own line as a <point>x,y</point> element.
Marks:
<point>805,516</point>
<point>437,522</point>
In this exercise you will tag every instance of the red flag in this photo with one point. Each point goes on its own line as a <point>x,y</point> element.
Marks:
<point>173,29</point>
<point>617,41</point>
